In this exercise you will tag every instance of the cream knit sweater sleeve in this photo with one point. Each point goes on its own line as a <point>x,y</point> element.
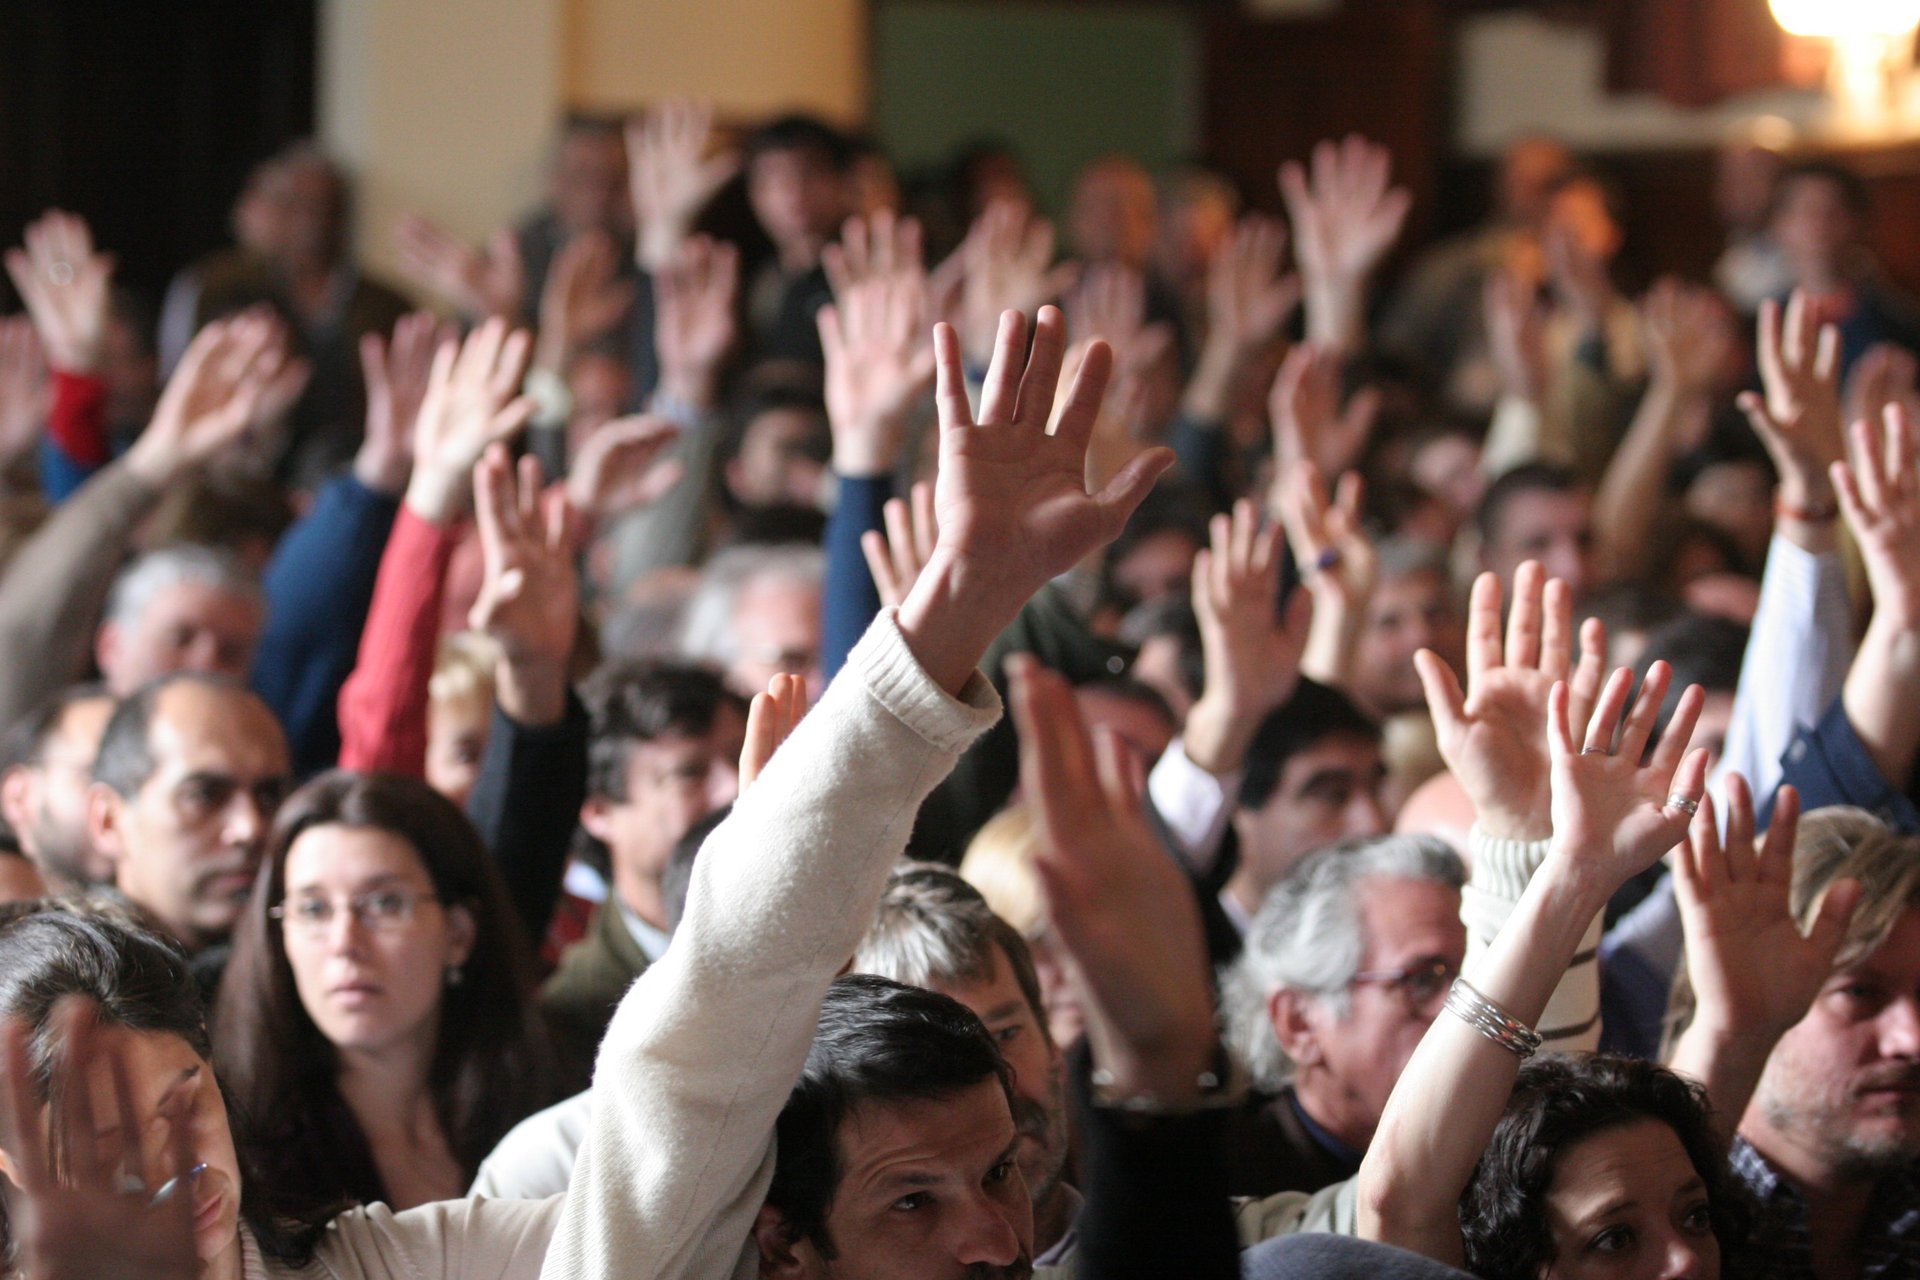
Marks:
<point>705,1047</point>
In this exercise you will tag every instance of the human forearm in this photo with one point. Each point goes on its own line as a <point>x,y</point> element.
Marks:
<point>1627,504</point>
<point>1882,695</point>
<point>383,705</point>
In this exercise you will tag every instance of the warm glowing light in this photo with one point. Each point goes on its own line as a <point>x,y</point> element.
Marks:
<point>1842,19</point>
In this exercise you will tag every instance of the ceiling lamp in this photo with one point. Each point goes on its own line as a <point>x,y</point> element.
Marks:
<point>1872,61</point>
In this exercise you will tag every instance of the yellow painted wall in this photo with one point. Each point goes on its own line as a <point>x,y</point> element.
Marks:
<point>751,57</point>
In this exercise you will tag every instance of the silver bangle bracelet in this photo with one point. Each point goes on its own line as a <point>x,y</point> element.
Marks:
<point>1491,1021</point>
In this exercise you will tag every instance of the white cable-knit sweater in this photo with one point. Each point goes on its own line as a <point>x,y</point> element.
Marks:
<point>707,1044</point>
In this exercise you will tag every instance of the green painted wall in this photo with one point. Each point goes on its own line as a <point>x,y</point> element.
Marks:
<point>1066,83</point>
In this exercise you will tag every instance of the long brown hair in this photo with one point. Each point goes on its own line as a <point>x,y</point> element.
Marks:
<point>489,1068</point>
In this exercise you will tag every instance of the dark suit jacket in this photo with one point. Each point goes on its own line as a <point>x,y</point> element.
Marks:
<point>578,1000</point>
<point>1269,1150</point>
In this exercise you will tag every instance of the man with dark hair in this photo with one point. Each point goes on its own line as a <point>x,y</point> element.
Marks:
<point>1819,219</point>
<point>586,193</point>
<point>1540,512</point>
<point>934,930</point>
<point>1311,779</point>
<point>191,770</point>
<point>798,181</point>
<point>43,787</point>
<point>881,1048</point>
<point>662,755</point>
<point>778,456</point>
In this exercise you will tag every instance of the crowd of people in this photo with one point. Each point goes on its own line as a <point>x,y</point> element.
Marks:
<point>787,727</point>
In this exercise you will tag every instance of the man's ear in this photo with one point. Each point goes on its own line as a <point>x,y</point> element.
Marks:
<point>16,797</point>
<point>783,1256</point>
<point>107,646</point>
<point>596,819</point>
<point>1288,1012</point>
<point>103,824</point>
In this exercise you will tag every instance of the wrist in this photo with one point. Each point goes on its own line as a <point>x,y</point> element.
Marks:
<point>382,470</point>
<point>1523,826</point>
<point>1572,886</point>
<point>433,496</point>
<point>533,690</point>
<point>866,449</point>
<point>1216,736</point>
<point>952,614</point>
<point>156,465</point>
<point>691,385</point>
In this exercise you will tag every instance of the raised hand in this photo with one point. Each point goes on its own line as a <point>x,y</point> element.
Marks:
<point>1122,910</point>
<point>617,470</point>
<point>1752,971</point>
<point>1248,300</point>
<point>582,299</point>
<point>1010,498</point>
<point>896,558</point>
<point>671,175</point>
<point>1880,493</point>
<point>1689,335</point>
<point>1613,816</point>
<point>1516,336</point>
<point>66,287</point>
<point>26,395</point>
<point>530,594</point>
<point>1337,563</point>
<point>1493,737</point>
<point>694,326</point>
<point>1008,264</point>
<point>878,361</point>
<point>1251,652</point>
<point>1309,422</point>
<point>212,399</point>
<point>1884,374</point>
<point>1345,219</point>
<point>481,282</point>
<point>396,372</point>
<point>1798,418</point>
<point>471,402</point>
<point>86,1214</point>
<point>771,719</point>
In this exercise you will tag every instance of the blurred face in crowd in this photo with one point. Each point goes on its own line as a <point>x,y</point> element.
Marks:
<point>1627,1202</point>
<point>1039,1100</point>
<point>589,183</point>
<point>671,783</point>
<point>45,800</point>
<point>1138,723</point>
<point>776,626</point>
<point>1527,173</point>
<point>457,730</point>
<point>1406,614</point>
<point>1157,567</point>
<point>1735,498</point>
<point>188,626</point>
<point>1840,1097</point>
<point>168,1083</point>
<point>370,945</point>
<point>782,460</point>
<point>1552,527</point>
<point>1114,213</point>
<point>1448,467</point>
<point>1743,178</point>
<point>800,200</point>
<point>185,846</point>
<point>1347,1063</point>
<point>929,1189</point>
<point>1328,792</point>
<point>1196,219</point>
<point>1814,226</point>
<point>310,211</point>
<point>1579,210</point>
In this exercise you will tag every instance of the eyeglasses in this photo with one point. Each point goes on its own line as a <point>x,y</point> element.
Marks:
<point>1420,983</point>
<point>379,911</point>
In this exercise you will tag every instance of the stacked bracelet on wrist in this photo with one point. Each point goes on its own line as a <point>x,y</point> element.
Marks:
<point>1491,1021</point>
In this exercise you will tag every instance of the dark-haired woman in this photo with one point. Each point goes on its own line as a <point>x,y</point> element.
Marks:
<point>374,1024</point>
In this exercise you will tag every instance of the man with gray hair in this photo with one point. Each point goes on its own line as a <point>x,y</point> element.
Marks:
<point>179,608</point>
<point>756,615</point>
<point>1346,964</point>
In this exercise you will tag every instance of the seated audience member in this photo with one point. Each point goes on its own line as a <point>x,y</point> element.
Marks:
<point>181,608</point>
<point>20,878</point>
<point>757,614</point>
<point>1538,512</point>
<point>780,455</point>
<point>1344,969</point>
<point>1751,267</point>
<point>1819,220</point>
<point>43,791</point>
<point>662,755</point>
<point>999,862</point>
<point>375,1021</point>
<point>798,170</point>
<point>586,193</point>
<point>460,700</point>
<point>190,772</point>
<point>1311,779</point>
<point>1410,608</point>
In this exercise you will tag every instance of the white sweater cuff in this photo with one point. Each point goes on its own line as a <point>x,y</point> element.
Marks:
<point>895,679</point>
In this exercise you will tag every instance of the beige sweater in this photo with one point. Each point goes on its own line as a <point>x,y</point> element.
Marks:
<point>707,1044</point>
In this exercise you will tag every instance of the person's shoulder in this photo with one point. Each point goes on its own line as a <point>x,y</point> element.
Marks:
<point>475,1239</point>
<point>536,1157</point>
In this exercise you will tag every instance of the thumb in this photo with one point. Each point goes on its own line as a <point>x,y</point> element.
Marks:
<point>1126,491</point>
